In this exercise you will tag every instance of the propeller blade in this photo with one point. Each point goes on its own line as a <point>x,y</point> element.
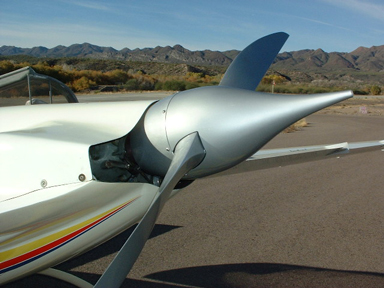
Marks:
<point>250,66</point>
<point>188,153</point>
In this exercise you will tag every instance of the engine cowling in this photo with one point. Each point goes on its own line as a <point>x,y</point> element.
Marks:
<point>232,123</point>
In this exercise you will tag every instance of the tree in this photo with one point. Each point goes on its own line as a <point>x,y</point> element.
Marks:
<point>268,79</point>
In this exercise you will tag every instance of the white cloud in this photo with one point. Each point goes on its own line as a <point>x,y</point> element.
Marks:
<point>324,23</point>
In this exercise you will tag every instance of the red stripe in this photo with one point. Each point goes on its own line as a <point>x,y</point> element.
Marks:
<point>57,242</point>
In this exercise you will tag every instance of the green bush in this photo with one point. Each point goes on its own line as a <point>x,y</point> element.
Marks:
<point>132,84</point>
<point>191,85</point>
<point>174,85</point>
<point>159,85</point>
<point>146,85</point>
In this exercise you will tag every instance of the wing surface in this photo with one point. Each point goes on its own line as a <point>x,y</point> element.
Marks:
<point>269,158</point>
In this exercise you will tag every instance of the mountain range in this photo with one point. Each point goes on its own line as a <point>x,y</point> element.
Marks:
<point>363,66</point>
<point>363,59</point>
<point>175,54</point>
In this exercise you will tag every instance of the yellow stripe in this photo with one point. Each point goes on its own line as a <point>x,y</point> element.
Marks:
<point>20,250</point>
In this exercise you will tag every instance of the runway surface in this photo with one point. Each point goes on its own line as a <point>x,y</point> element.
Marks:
<point>317,224</point>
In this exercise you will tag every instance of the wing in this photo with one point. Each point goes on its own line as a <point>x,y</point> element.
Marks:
<point>269,158</point>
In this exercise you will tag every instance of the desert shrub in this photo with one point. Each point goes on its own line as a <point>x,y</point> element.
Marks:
<point>174,85</point>
<point>117,76</point>
<point>263,88</point>
<point>360,92</point>
<point>81,84</point>
<point>132,84</point>
<point>190,85</point>
<point>6,67</point>
<point>146,82</point>
<point>296,89</point>
<point>147,85</point>
<point>375,90</point>
<point>194,77</point>
<point>299,90</point>
<point>296,126</point>
<point>159,85</point>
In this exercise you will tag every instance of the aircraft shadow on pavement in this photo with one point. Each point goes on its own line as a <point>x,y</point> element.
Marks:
<point>226,275</point>
<point>247,275</point>
<point>112,246</point>
<point>262,275</point>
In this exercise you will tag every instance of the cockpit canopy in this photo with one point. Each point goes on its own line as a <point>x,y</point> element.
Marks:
<point>36,88</point>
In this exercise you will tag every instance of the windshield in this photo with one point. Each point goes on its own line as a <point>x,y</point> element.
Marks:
<point>31,88</point>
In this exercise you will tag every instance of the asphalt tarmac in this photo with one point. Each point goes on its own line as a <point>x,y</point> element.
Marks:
<point>317,224</point>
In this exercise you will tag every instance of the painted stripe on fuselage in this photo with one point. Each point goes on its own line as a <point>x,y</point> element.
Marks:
<point>19,256</point>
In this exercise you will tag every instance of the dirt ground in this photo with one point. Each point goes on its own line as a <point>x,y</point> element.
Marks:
<point>362,106</point>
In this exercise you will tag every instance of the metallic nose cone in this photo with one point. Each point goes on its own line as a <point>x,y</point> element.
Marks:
<point>232,124</point>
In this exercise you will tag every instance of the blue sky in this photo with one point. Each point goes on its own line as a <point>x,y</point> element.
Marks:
<point>333,25</point>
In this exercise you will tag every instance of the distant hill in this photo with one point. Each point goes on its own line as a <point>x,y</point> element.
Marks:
<point>175,54</point>
<point>363,64</point>
<point>364,59</point>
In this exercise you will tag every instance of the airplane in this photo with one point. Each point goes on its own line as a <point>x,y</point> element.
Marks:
<point>75,175</point>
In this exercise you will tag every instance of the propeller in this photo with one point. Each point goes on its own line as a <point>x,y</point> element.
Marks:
<point>249,67</point>
<point>207,130</point>
<point>188,153</point>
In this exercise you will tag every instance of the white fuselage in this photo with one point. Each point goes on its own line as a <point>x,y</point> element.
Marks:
<point>51,207</point>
